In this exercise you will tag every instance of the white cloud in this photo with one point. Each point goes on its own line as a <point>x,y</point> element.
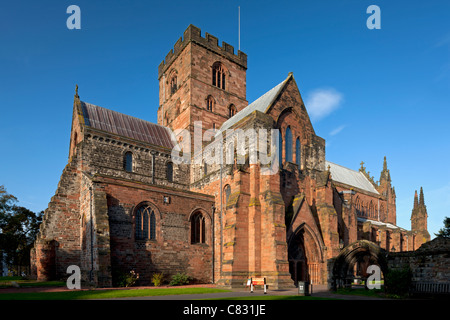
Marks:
<point>321,102</point>
<point>337,130</point>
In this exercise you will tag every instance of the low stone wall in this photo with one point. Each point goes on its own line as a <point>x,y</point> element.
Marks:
<point>430,264</point>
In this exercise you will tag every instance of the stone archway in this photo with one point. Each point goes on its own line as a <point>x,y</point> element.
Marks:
<point>305,256</point>
<point>359,254</point>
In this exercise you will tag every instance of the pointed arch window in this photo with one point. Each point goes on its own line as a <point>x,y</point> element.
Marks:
<point>173,84</point>
<point>218,75</point>
<point>371,210</point>
<point>288,144</point>
<point>198,228</point>
<point>298,152</point>
<point>231,110</point>
<point>358,206</point>
<point>280,149</point>
<point>128,162</point>
<point>145,220</point>
<point>209,103</point>
<point>227,191</point>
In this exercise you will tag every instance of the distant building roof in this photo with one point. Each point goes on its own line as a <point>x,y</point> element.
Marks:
<point>261,104</point>
<point>127,126</point>
<point>350,177</point>
<point>379,223</point>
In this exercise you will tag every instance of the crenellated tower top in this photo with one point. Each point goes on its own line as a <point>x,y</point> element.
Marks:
<point>210,42</point>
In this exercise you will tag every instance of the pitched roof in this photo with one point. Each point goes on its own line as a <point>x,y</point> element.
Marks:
<point>261,104</point>
<point>379,223</point>
<point>127,126</point>
<point>350,177</point>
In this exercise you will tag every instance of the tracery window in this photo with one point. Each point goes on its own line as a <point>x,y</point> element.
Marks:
<point>298,152</point>
<point>288,144</point>
<point>145,221</point>
<point>218,75</point>
<point>209,103</point>
<point>198,228</point>
<point>173,84</point>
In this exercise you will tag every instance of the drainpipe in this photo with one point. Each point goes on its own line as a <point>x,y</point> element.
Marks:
<point>91,273</point>
<point>213,210</point>
<point>221,210</point>
<point>153,166</point>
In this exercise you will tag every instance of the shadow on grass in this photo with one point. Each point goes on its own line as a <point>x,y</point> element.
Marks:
<point>104,294</point>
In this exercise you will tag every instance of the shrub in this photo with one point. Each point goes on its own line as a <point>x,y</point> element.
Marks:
<point>124,279</point>
<point>179,279</point>
<point>157,279</point>
<point>398,281</point>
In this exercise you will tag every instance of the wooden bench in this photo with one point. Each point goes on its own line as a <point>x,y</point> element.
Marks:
<point>257,281</point>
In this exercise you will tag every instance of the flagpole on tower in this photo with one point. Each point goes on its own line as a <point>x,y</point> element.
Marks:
<point>239,27</point>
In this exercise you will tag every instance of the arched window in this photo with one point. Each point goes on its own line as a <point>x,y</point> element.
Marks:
<point>218,75</point>
<point>128,162</point>
<point>288,144</point>
<point>280,149</point>
<point>173,84</point>
<point>169,171</point>
<point>358,206</point>
<point>298,152</point>
<point>205,168</point>
<point>231,110</point>
<point>209,103</point>
<point>145,223</point>
<point>371,210</point>
<point>227,191</point>
<point>197,228</point>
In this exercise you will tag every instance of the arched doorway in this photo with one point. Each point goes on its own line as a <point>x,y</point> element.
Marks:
<point>354,260</point>
<point>305,256</point>
<point>297,258</point>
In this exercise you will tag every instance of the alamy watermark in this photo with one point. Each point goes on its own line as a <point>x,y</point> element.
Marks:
<point>374,21</point>
<point>233,146</point>
<point>74,280</point>
<point>374,280</point>
<point>74,20</point>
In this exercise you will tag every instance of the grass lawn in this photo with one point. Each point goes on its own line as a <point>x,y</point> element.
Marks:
<point>7,282</point>
<point>275,298</point>
<point>362,292</point>
<point>104,294</point>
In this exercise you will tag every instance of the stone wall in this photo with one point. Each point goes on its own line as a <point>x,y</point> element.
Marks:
<point>429,264</point>
<point>171,251</point>
<point>58,243</point>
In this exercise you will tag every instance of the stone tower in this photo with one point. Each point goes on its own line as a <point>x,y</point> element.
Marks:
<point>419,218</point>
<point>201,81</point>
<point>386,189</point>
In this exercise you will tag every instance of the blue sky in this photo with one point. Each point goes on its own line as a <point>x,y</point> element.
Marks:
<point>370,93</point>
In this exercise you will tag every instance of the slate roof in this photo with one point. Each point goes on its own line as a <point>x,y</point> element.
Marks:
<point>379,223</point>
<point>350,177</point>
<point>261,104</point>
<point>127,126</point>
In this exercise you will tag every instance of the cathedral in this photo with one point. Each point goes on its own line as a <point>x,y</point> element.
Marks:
<point>126,202</point>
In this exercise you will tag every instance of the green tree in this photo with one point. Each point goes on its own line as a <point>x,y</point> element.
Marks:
<point>18,229</point>
<point>444,232</point>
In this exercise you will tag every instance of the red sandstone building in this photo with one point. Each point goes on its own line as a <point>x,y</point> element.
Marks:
<point>124,204</point>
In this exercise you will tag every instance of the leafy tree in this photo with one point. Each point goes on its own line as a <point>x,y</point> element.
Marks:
<point>18,229</point>
<point>444,232</point>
